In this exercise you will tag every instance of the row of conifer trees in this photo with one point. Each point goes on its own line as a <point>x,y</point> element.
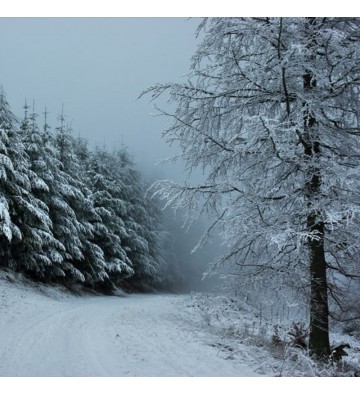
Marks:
<point>73,215</point>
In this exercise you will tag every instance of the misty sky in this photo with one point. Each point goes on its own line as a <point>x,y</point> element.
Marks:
<point>97,67</point>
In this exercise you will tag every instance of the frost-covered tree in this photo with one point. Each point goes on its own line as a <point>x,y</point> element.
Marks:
<point>131,240</point>
<point>110,232</point>
<point>138,241</point>
<point>29,233</point>
<point>41,176</point>
<point>8,229</point>
<point>271,112</point>
<point>147,237</point>
<point>77,234</point>
<point>71,215</point>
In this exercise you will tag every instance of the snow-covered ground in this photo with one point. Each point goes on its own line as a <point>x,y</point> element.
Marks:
<point>46,331</point>
<point>240,332</point>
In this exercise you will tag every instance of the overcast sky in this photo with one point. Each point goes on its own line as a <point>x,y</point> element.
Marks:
<point>97,67</point>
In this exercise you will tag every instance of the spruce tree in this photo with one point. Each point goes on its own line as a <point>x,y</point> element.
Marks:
<point>86,256</point>
<point>111,232</point>
<point>31,224</point>
<point>142,242</point>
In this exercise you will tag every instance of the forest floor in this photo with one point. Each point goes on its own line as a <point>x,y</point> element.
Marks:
<point>46,332</point>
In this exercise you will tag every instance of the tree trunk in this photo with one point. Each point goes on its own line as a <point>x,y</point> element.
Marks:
<point>319,310</point>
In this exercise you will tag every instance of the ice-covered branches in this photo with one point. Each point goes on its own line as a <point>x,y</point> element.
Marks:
<point>270,112</point>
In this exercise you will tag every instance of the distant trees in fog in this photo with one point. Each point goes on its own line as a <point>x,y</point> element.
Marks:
<point>72,215</point>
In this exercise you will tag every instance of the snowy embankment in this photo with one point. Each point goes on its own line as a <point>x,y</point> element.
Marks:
<point>46,332</point>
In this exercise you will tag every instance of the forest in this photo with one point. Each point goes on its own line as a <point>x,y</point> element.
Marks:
<point>72,215</point>
<point>269,113</point>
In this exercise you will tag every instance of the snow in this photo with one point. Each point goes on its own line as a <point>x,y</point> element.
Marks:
<point>46,332</point>
<point>241,331</point>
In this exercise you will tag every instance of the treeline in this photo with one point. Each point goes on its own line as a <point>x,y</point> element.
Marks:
<point>72,215</point>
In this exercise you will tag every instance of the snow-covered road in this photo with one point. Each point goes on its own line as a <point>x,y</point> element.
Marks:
<point>138,335</point>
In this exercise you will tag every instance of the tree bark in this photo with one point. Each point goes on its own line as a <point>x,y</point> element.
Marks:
<point>319,344</point>
<point>319,312</point>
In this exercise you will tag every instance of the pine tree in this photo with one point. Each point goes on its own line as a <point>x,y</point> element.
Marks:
<point>128,235</point>
<point>41,178</point>
<point>111,232</point>
<point>142,241</point>
<point>86,256</point>
<point>30,221</point>
<point>8,229</point>
<point>68,214</point>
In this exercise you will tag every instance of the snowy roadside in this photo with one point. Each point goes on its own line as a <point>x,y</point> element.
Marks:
<point>240,334</point>
<point>46,331</point>
<point>21,297</point>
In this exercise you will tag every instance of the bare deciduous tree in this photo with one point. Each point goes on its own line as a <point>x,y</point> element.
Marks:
<point>270,111</point>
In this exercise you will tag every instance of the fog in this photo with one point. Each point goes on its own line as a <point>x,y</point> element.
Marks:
<point>97,68</point>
